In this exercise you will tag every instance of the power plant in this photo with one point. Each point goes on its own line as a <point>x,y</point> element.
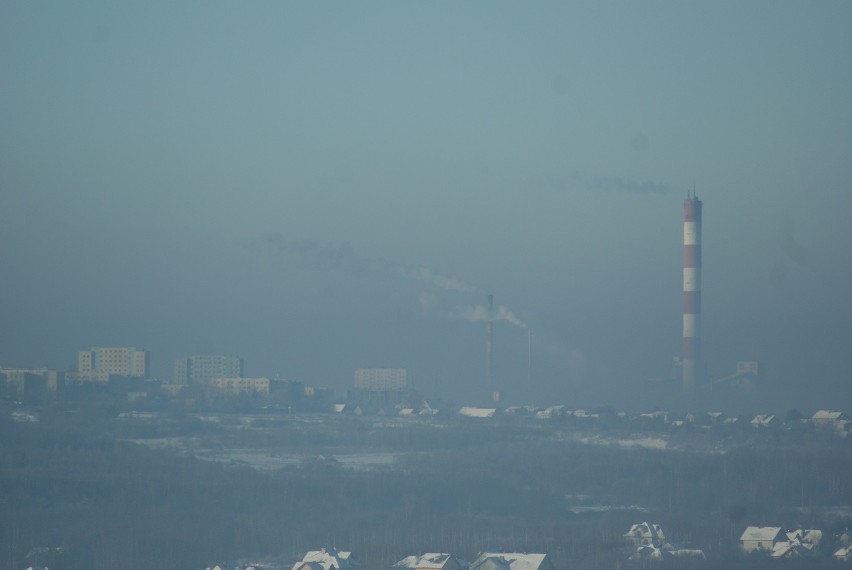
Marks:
<point>691,358</point>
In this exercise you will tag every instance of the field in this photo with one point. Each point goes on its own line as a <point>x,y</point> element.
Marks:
<point>185,491</point>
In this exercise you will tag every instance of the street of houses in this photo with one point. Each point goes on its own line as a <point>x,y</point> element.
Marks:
<point>644,541</point>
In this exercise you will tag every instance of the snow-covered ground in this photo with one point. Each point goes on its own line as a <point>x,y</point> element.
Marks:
<point>271,459</point>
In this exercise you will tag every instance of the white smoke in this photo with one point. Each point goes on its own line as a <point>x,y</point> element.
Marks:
<point>344,258</point>
<point>571,360</point>
<point>428,301</point>
<point>442,281</point>
<point>478,313</point>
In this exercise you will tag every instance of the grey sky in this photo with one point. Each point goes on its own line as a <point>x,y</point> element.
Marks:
<point>149,152</point>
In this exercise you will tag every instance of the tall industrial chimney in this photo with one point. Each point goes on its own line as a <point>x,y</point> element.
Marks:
<point>489,339</point>
<point>691,291</point>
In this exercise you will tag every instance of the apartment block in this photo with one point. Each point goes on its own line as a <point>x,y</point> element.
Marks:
<point>99,363</point>
<point>199,369</point>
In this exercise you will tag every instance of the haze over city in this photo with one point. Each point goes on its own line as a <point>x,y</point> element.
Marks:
<point>425,285</point>
<point>319,188</point>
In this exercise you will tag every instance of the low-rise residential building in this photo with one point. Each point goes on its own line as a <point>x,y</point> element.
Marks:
<point>665,552</point>
<point>764,421</point>
<point>521,411</point>
<point>791,549</point>
<point>650,542</point>
<point>512,561</point>
<point>655,416</point>
<point>430,561</point>
<point>832,419</point>
<point>717,418</point>
<point>326,559</point>
<point>762,538</point>
<point>646,534</point>
<point>779,543</point>
<point>551,412</point>
<point>352,409</point>
<point>473,412</point>
<point>585,414</point>
<point>805,535</point>
<point>828,417</point>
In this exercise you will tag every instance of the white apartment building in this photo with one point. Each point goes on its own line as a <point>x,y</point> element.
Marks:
<point>381,379</point>
<point>99,363</point>
<point>240,385</point>
<point>199,369</point>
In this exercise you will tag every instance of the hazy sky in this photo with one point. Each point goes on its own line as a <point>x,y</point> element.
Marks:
<point>323,186</point>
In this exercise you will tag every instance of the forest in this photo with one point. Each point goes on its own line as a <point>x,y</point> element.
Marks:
<point>79,491</point>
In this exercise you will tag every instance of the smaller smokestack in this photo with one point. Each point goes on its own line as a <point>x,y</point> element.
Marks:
<point>489,339</point>
<point>529,356</point>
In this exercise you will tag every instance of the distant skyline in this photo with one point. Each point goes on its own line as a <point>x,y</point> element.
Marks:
<point>321,188</point>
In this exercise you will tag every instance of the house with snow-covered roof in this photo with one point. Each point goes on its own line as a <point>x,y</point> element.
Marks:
<point>657,416</point>
<point>585,414</point>
<point>327,560</point>
<point>650,543</point>
<point>473,412</point>
<point>430,561</point>
<point>823,417</point>
<point>522,411</point>
<point>762,538</point>
<point>764,421</point>
<point>831,419</point>
<point>646,534</point>
<point>648,552</point>
<point>717,417</point>
<point>805,536</point>
<point>791,549</point>
<point>511,561</point>
<point>552,412</point>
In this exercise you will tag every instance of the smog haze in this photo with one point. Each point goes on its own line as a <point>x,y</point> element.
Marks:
<point>322,187</point>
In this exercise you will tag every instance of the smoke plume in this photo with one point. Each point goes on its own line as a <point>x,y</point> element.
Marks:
<point>478,314</point>
<point>343,258</point>
<point>442,281</point>
<point>562,182</point>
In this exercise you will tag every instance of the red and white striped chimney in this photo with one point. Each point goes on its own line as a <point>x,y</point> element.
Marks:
<point>691,291</point>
